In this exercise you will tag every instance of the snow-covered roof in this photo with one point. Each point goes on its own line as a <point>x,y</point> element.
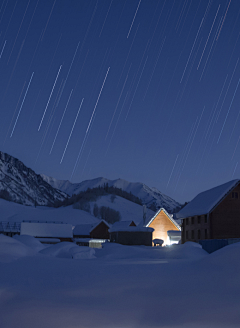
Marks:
<point>82,230</point>
<point>168,215</point>
<point>96,224</point>
<point>122,224</point>
<point>85,229</point>
<point>132,229</point>
<point>57,230</point>
<point>206,201</point>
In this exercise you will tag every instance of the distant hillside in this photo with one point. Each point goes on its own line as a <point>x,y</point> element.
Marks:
<point>151,197</point>
<point>13,212</point>
<point>21,184</point>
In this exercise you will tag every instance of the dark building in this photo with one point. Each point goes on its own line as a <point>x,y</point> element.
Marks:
<point>131,235</point>
<point>98,230</point>
<point>10,228</point>
<point>212,214</point>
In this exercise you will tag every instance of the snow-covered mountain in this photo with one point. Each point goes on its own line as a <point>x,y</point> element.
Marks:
<point>21,184</point>
<point>149,196</point>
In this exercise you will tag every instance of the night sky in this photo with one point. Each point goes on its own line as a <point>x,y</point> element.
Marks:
<point>146,91</point>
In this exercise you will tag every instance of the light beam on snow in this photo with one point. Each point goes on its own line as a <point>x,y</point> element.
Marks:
<point>49,98</point>
<point>21,105</point>
<point>89,124</point>
<point>133,19</point>
<point>61,122</point>
<point>71,131</point>
<point>228,111</point>
<point>3,49</point>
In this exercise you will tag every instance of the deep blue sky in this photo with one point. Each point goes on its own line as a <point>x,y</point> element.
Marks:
<point>164,76</point>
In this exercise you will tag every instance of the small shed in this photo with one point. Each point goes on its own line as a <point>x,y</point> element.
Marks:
<point>131,235</point>
<point>98,230</point>
<point>47,232</point>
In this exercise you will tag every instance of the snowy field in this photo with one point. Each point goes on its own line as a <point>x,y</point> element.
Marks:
<point>67,286</point>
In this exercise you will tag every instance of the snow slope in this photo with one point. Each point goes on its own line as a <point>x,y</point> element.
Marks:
<point>121,286</point>
<point>146,194</point>
<point>13,212</point>
<point>129,211</point>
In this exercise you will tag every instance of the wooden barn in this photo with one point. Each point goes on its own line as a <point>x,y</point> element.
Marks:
<point>162,222</point>
<point>212,214</point>
<point>98,230</point>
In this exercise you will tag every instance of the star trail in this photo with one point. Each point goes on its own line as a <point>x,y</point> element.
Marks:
<point>166,113</point>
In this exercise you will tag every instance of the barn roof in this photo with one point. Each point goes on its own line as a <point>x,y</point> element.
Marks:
<point>168,215</point>
<point>82,230</point>
<point>206,201</point>
<point>122,224</point>
<point>85,229</point>
<point>57,230</point>
<point>131,229</point>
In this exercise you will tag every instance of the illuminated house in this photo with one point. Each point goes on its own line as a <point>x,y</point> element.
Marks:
<point>212,214</point>
<point>162,222</point>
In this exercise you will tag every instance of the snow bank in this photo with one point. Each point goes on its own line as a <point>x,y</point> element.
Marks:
<point>69,250</point>
<point>12,249</point>
<point>30,241</point>
<point>187,251</point>
<point>45,291</point>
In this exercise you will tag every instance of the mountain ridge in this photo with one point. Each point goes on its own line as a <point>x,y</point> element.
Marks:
<point>20,184</point>
<point>151,197</point>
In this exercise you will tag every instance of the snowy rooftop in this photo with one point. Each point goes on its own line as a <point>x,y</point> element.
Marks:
<point>121,224</point>
<point>85,229</point>
<point>204,202</point>
<point>82,229</point>
<point>57,230</point>
<point>132,229</point>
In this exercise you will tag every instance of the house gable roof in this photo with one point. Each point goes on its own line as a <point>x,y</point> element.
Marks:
<point>206,201</point>
<point>86,229</point>
<point>97,224</point>
<point>122,224</point>
<point>167,214</point>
